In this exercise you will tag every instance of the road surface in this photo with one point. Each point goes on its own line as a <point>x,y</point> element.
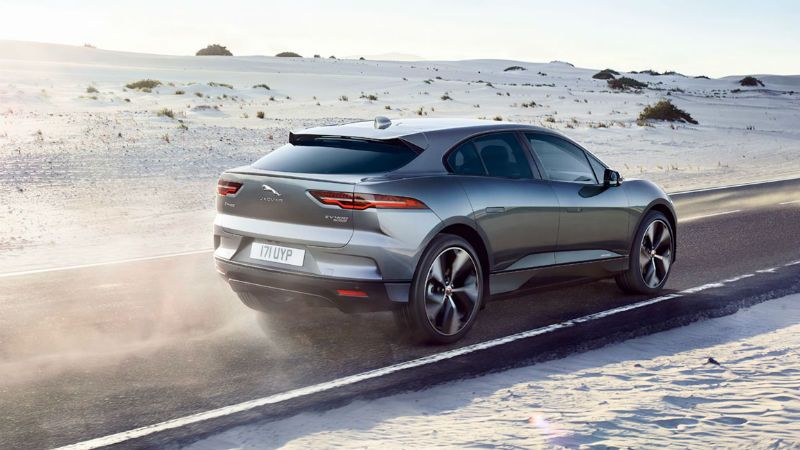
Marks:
<point>93,351</point>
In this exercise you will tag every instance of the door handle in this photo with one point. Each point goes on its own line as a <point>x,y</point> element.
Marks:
<point>495,210</point>
<point>575,210</point>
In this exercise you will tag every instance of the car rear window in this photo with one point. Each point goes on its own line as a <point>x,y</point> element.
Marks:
<point>338,156</point>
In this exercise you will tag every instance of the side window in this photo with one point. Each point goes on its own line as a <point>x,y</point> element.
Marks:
<point>561,160</point>
<point>598,167</point>
<point>464,160</point>
<point>502,156</point>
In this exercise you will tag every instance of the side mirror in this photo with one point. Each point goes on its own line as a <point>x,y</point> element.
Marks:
<point>611,178</point>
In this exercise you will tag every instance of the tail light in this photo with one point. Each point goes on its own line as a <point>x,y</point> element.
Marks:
<point>361,201</point>
<point>225,187</point>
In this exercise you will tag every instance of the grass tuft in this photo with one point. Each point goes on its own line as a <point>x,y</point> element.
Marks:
<point>166,112</point>
<point>666,111</point>
<point>144,85</point>
<point>625,83</point>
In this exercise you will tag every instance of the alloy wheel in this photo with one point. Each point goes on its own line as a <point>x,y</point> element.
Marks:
<point>655,253</point>
<point>451,290</point>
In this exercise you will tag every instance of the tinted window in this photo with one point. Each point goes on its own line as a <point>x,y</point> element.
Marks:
<point>337,156</point>
<point>464,160</point>
<point>599,168</point>
<point>561,160</point>
<point>502,156</point>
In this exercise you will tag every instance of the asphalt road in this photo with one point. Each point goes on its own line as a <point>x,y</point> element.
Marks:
<point>93,351</point>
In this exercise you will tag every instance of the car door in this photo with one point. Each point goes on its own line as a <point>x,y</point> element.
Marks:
<point>593,218</point>
<point>516,210</point>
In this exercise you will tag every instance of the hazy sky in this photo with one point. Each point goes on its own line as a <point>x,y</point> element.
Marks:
<point>710,37</point>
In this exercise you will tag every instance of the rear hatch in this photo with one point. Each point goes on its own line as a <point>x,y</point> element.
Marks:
<point>275,201</point>
<point>278,207</point>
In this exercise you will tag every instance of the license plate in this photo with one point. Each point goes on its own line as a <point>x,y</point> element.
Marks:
<point>278,254</point>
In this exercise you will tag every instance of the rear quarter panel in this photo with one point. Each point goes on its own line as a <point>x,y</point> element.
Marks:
<point>399,237</point>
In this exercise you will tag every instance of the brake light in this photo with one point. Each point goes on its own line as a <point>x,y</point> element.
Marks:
<point>361,201</point>
<point>225,187</point>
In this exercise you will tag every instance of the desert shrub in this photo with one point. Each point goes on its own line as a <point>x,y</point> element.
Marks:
<point>497,118</point>
<point>91,90</point>
<point>317,56</point>
<point>331,57</point>
<point>180,92</point>
<point>343,98</point>
<point>513,68</point>
<point>370,97</point>
<point>531,104</point>
<point>288,55</point>
<point>166,112</point>
<point>665,110</point>
<point>214,50</point>
<point>446,96</point>
<point>198,94</point>
<point>550,119</point>
<point>387,107</point>
<point>260,114</point>
<point>362,59</point>
<point>672,72</point>
<point>145,85</point>
<point>605,74</point>
<point>751,81</point>
<point>623,83</point>
<point>225,85</point>
<point>650,72</point>
<point>262,85</point>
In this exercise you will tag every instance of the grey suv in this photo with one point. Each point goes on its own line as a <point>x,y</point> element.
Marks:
<point>429,218</point>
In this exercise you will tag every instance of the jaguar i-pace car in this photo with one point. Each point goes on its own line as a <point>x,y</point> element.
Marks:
<point>429,218</point>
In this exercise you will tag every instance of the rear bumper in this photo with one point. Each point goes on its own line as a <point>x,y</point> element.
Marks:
<point>281,289</point>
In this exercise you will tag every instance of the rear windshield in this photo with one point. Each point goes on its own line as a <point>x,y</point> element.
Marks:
<point>338,156</point>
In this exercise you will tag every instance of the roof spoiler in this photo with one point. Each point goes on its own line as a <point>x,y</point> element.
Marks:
<point>418,142</point>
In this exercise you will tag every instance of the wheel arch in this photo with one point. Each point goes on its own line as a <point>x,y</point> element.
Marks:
<point>665,208</point>
<point>470,233</point>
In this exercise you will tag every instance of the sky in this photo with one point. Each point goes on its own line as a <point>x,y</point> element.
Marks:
<point>710,37</point>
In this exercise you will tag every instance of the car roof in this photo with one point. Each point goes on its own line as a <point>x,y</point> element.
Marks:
<point>417,131</point>
<point>435,136</point>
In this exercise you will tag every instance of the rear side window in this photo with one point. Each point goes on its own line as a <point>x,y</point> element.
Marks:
<point>561,160</point>
<point>338,156</point>
<point>495,155</point>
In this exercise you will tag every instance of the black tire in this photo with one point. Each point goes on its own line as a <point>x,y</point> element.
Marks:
<point>459,303</point>
<point>634,280</point>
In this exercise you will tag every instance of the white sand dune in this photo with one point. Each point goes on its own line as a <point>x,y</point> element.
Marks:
<point>94,176</point>
<point>657,391</point>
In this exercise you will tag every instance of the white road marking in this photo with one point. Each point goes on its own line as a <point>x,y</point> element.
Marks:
<point>107,263</point>
<point>377,373</point>
<point>789,203</point>
<point>688,219</point>
<point>719,188</point>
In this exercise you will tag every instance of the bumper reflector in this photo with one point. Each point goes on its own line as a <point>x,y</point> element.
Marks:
<point>348,293</point>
